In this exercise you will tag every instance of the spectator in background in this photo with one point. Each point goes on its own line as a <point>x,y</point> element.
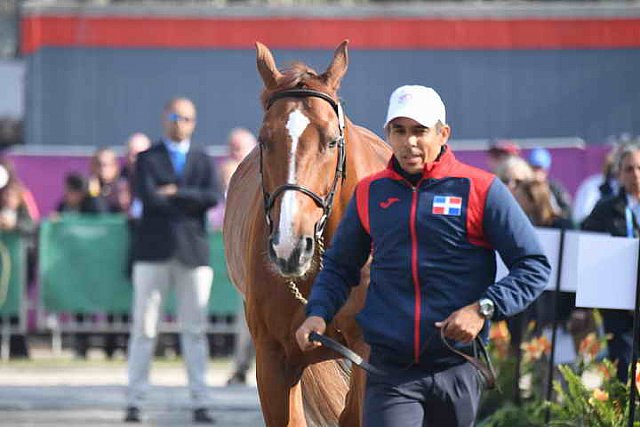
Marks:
<point>177,184</point>
<point>513,171</point>
<point>535,199</point>
<point>104,177</point>
<point>105,184</point>
<point>540,162</point>
<point>136,144</point>
<point>499,151</point>
<point>240,143</point>
<point>596,187</point>
<point>619,216</point>
<point>9,179</point>
<point>19,214</point>
<point>76,197</point>
<point>15,215</point>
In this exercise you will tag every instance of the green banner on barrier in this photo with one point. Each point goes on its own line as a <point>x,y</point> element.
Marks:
<point>13,270</point>
<point>83,267</point>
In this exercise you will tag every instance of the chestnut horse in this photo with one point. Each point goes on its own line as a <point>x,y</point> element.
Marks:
<point>285,199</point>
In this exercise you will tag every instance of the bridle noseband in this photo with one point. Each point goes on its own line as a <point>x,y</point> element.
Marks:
<point>326,203</point>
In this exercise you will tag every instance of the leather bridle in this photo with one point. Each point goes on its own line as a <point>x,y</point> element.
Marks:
<point>326,202</point>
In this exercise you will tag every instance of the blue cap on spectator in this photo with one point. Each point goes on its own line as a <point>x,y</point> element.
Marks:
<point>540,158</point>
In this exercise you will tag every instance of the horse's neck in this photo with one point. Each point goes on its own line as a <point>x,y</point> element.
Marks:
<point>366,154</point>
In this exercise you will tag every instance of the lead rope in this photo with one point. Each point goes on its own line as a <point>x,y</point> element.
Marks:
<point>295,291</point>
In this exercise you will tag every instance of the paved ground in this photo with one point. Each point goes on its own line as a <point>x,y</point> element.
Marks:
<point>60,391</point>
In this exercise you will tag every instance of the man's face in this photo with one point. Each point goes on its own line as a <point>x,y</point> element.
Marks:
<point>74,198</point>
<point>539,174</point>
<point>180,120</point>
<point>240,145</point>
<point>630,173</point>
<point>107,166</point>
<point>136,146</point>
<point>415,145</point>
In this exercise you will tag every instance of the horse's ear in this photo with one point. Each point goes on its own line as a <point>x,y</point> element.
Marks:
<point>267,66</point>
<point>338,67</point>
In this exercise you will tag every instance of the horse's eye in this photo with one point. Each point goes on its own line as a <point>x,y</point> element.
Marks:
<point>333,143</point>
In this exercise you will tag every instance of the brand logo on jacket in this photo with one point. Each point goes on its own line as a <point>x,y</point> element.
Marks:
<point>447,205</point>
<point>389,202</point>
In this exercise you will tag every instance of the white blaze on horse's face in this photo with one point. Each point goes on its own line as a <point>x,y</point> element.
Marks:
<point>296,126</point>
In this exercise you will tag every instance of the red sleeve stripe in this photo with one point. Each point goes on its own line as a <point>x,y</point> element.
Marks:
<point>319,33</point>
<point>362,202</point>
<point>480,181</point>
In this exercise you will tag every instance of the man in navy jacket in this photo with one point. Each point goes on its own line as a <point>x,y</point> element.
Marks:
<point>431,225</point>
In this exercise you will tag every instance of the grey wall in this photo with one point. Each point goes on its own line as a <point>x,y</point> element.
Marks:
<point>80,96</point>
<point>12,88</point>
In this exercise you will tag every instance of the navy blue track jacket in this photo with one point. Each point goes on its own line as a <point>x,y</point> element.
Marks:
<point>432,249</point>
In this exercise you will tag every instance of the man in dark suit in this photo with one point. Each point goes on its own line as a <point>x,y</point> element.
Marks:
<point>618,216</point>
<point>177,184</point>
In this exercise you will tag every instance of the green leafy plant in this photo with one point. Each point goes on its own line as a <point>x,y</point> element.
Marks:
<point>578,405</point>
<point>587,394</point>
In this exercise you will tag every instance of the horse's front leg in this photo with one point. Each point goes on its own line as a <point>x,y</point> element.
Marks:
<point>279,387</point>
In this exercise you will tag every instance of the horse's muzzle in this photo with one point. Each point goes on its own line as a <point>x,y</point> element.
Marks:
<point>291,260</point>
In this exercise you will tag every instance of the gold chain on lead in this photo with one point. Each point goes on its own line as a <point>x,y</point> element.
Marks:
<point>292,285</point>
<point>296,292</point>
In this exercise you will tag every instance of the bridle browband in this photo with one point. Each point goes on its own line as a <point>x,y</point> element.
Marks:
<point>326,203</point>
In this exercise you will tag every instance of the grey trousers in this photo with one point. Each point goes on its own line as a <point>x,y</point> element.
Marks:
<point>413,398</point>
<point>151,283</point>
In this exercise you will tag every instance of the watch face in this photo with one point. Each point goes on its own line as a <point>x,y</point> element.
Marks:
<point>486,308</point>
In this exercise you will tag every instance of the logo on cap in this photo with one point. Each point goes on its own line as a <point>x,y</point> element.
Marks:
<point>405,97</point>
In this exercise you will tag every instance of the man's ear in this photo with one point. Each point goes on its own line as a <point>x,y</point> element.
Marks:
<point>445,133</point>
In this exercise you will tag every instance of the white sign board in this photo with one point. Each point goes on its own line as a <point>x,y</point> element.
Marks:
<point>550,242</point>
<point>607,271</point>
<point>601,269</point>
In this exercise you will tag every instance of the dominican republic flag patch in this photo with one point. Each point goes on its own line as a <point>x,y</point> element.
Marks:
<point>447,205</point>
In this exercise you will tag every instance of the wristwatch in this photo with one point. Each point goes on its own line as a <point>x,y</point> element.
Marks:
<point>486,308</point>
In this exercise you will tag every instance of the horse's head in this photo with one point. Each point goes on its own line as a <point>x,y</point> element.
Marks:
<point>302,155</point>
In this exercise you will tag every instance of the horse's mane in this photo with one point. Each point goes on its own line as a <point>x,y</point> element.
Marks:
<point>296,76</point>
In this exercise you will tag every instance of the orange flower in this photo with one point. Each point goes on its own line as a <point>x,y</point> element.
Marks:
<point>534,349</point>
<point>545,344</point>
<point>600,395</point>
<point>590,346</point>
<point>499,332</point>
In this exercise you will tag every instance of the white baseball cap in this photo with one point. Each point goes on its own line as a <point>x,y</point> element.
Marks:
<point>420,103</point>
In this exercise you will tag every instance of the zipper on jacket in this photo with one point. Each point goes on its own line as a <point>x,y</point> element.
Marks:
<point>414,273</point>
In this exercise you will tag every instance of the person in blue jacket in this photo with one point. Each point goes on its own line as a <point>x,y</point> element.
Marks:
<point>431,226</point>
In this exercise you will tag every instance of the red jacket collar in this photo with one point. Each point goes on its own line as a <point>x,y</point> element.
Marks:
<point>438,169</point>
